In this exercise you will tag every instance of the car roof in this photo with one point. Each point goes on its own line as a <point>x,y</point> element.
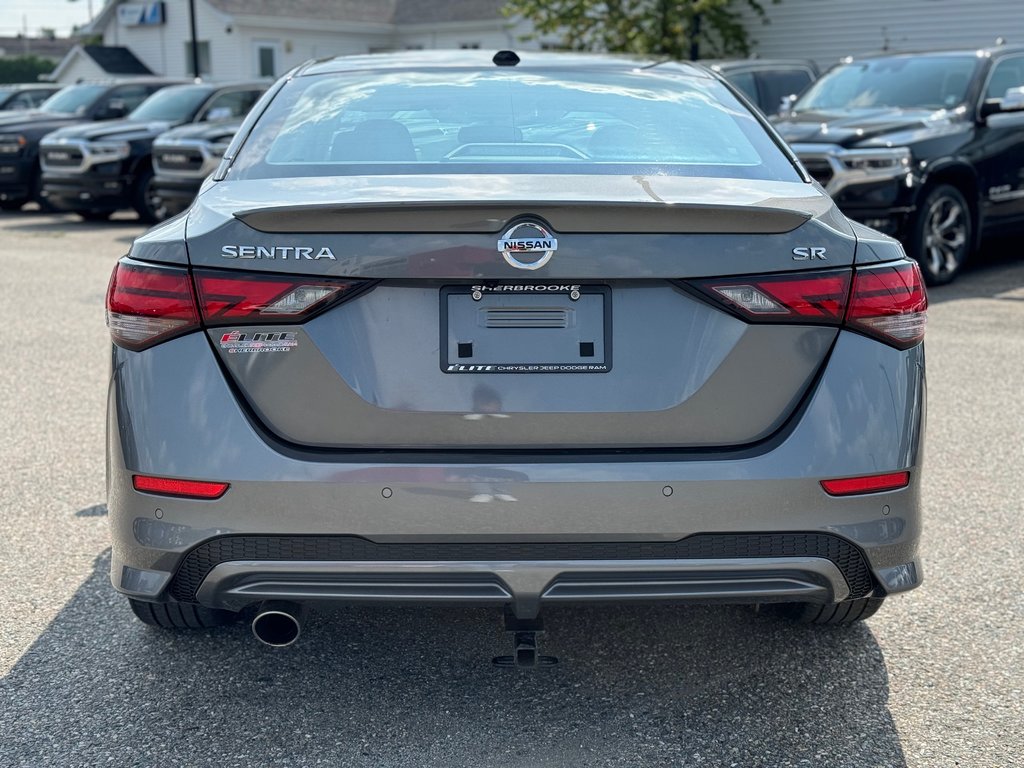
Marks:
<point>484,59</point>
<point>215,86</point>
<point>30,86</point>
<point>988,52</point>
<point>721,65</point>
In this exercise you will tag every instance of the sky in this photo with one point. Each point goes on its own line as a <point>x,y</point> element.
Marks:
<point>35,14</point>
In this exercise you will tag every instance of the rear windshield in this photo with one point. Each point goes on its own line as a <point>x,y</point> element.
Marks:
<point>530,121</point>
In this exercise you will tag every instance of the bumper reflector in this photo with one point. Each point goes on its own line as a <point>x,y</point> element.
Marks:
<point>849,486</point>
<point>189,489</point>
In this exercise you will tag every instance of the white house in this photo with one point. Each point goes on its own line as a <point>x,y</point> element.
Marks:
<point>827,30</point>
<point>242,39</point>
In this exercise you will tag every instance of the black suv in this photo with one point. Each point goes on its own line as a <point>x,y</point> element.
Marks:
<point>25,95</point>
<point>95,170</point>
<point>927,147</point>
<point>767,82</point>
<point>20,132</point>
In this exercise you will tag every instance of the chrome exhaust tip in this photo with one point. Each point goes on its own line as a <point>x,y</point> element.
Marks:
<point>278,623</point>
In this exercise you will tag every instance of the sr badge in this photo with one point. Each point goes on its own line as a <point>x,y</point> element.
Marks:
<point>527,238</point>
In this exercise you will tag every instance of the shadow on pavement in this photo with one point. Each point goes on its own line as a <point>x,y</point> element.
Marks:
<point>997,269</point>
<point>370,686</point>
<point>35,222</point>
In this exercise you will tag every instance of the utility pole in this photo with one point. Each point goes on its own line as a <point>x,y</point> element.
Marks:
<point>195,44</point>
<point>695,38</point>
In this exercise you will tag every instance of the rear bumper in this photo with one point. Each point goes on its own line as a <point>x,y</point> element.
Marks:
<point>16,178</point>
<point>526,586</point>
<point>87,192</point>
<point>519,530</point>
<point>177,194</point>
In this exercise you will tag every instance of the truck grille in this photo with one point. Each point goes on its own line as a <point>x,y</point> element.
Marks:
<point>64,157</point>
<point>181,160</point>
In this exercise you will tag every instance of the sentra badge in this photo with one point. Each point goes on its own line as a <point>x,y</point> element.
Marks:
<point>524,239</point>
<point>283,252</point>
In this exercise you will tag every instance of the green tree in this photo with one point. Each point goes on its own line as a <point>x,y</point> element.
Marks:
<point>24,69</point>
<point>680,29</point>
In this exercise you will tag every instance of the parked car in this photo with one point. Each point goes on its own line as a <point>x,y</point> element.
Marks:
<point>183,157</point>
<point>18,97</point>
<point>767,82</point>
<point>516,363</point>
<point>21,132</point>
<point>927,147</point>
<point>94,170</point>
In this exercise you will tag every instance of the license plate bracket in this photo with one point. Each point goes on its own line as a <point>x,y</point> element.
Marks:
<point>526,328</point>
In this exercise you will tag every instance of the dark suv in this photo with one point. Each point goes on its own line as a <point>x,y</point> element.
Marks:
<point>767,82</point>
<point>95,170</point>
<point>184,156</point>
<point>23,96</point>
<point>20,132</point>
<point>927,147</point>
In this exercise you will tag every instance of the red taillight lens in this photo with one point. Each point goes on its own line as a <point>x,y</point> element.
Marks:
<point>850,486</point>
<point>890,303</point>
<point>235,299</point>
<point>801,297</point>
<point>147,304</point>
<point>189,489</point>
<point>887,301</point>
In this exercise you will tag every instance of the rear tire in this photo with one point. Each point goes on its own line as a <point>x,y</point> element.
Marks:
<point>11,205</point>
<point>845,612</point>
<point>180,615</point>
<point>36,191</point>
<point>942,234</point>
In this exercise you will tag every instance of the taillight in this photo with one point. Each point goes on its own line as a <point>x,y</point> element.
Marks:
<point>148,304</point>
<point>890,303</point>
<point>169,486</point>
<point>229,298</point>
<point>795,297</point>
<point>886,301</point>
<point>851,486</point>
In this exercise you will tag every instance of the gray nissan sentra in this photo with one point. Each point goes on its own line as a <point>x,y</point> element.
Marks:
<point>462,328</point>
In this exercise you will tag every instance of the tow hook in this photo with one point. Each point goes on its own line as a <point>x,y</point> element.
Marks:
<point>525,649</point>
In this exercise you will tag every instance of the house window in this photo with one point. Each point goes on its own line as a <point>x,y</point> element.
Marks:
<point>267,54</point>
<point>203,47</point>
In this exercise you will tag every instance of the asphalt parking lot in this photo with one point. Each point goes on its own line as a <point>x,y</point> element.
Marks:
<point>935,679</point>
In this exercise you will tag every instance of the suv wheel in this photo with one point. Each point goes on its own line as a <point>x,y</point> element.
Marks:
<point>845,612</point>
<point>146,201</point>
<point>943,234</point>
<point>36,191</point>
<point>11,205</point>
<point>180,615</point>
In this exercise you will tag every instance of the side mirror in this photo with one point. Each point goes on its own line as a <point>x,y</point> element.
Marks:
<point>1012,101</point>
<point>786,104</point>
<point>219,113</point>
<point>112,110</point>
